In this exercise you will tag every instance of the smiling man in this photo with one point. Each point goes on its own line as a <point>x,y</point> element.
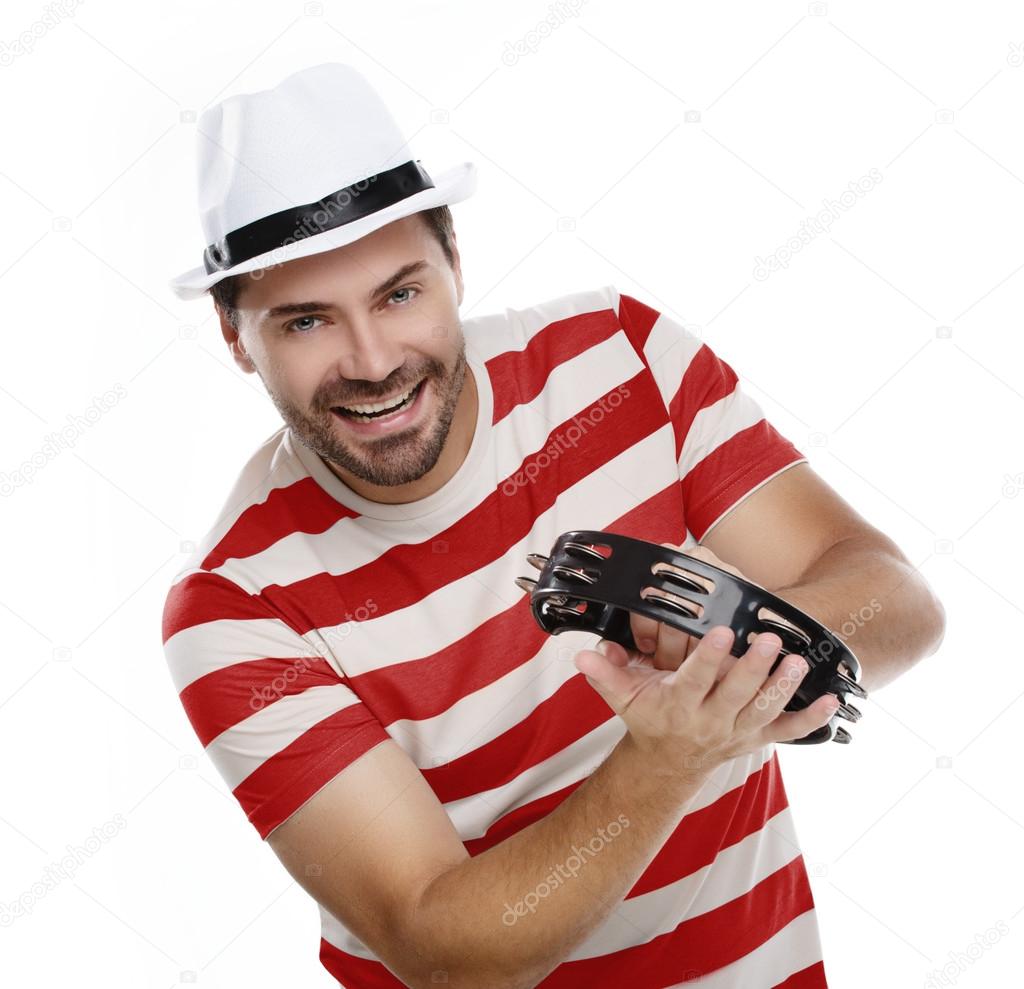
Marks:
<point>372,380</point>
<point>470,801</point>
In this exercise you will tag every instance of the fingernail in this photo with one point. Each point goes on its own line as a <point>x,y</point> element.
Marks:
<point>797,668</point>
<point>719,640</point>
<point>602,647</point>
<point>767,646</point>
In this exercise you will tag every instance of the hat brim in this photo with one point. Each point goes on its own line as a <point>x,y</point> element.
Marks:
<point>451,186</point>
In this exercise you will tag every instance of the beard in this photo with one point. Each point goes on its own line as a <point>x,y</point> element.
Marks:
<point>386,461</point>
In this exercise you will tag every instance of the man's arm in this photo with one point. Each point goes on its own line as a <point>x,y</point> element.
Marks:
<point>796,537</point>
<point>377,849</point>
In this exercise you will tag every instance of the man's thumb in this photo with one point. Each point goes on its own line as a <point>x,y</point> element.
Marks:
<point>609,679</point>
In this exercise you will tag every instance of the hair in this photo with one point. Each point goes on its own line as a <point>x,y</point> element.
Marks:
<point>438,221</point>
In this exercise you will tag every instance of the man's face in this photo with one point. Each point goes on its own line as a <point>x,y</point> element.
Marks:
<point>348,328</point>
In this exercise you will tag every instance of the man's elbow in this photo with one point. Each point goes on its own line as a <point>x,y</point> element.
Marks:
<point>936,626</point>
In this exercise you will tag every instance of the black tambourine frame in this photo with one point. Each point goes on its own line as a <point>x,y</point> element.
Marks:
<point>593,580</point>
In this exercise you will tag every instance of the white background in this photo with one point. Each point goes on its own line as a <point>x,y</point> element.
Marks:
<point>661,147</point>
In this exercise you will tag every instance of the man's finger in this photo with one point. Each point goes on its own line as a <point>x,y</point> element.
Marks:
<point>616,684</point>
<point>673,647</point>
<point>645,632</point>
<point>698,673</point>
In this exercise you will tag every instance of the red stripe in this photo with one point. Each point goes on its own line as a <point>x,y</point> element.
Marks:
<point>695,947</point>
<point>701,944</point>
<point>290,777</point>
<point>208,597</point>
<point>697,840</point>
<point>406,573</point>
<point>519,376</point>
<point>732,469</point>
<point>300,507</point>
<point>353,972</point>
<point>573,711</point>
<point>221,699</point>
<point>707,380</point>
<point>637,320</point>
<point>702,834</point>
<point>812,977</point>
<point>423,688</point>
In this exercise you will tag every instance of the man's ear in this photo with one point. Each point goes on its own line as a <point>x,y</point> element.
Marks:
<point>234,342</point>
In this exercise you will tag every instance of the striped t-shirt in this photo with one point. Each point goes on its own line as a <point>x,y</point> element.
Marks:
<point>312,624</point>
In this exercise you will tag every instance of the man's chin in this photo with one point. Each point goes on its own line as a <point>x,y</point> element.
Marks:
<point>385,461</point>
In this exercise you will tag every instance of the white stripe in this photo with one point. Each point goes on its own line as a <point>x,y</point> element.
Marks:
<point>733,873</point>
<point>240,750</point>
<point>644,917</point>
<point>481,716</point>
<point>717,424</point>
<point>593,502</point>
<point>535,318</point>
<point>264,472</point>
<point>487,336</point>
<point>353,543</point>
<point>668,351</point>
<point>356,647</point>
<point>201,649</point>
<point>796,947</point>
<point>488,712</point>
<point>473,815</point>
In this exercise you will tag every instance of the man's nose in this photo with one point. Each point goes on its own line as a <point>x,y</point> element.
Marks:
<point>369,353</point>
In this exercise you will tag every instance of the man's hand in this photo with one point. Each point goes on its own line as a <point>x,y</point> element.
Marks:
<point>694,718</point>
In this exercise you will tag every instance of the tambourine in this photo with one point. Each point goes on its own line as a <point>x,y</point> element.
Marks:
<point>593,580</point>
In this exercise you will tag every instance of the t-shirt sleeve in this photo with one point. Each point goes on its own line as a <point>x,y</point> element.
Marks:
<point>274,716</point>
<point>725,447</point>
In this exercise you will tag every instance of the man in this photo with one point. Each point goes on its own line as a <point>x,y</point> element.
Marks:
<point>470,801</point>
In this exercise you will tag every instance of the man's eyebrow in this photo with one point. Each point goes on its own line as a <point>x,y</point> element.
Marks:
<point>301,308</point>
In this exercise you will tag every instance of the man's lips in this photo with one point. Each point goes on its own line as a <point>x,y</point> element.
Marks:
<point>386,402</point>
<point>386,422</point>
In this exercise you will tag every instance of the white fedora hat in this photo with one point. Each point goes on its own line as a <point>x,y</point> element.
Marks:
<point>312,164</point>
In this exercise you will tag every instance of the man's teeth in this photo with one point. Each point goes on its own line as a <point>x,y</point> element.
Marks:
<point>379,406</point>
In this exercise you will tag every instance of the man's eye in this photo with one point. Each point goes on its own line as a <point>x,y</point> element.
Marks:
<point>398,291</point>
<point>294,327</point>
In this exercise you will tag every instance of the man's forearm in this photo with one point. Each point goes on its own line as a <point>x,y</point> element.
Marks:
<point>468,925</point>
<point>876,602</point>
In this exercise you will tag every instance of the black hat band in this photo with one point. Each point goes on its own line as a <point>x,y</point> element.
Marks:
<point>369,195</point>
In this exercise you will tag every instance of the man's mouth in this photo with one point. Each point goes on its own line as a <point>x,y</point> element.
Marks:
<point>368,411</point>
